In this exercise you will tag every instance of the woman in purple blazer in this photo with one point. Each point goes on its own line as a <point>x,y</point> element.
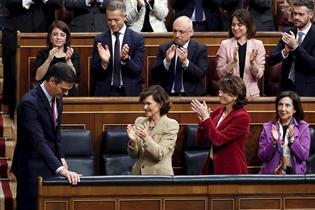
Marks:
<point>241,55</point>
<point>285,142</point>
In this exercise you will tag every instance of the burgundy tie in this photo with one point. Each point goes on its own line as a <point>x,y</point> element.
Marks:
<point>53,100</point>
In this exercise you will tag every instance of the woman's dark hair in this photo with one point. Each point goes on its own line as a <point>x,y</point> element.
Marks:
<point>63,27</point>
<point>234,86</point>
<point>299,113</point>
<point>244,17</point>
<point>159,95</point>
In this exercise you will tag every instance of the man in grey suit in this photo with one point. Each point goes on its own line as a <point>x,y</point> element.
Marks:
<point>38,150</point>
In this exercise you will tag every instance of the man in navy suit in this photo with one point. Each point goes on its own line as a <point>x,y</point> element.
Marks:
<point>181,65</point>
<point>296,51</point>
<point>38,150</point>
<point>124,78</point>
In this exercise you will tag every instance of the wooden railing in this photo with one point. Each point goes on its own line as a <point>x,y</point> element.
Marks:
<point>179,193</point>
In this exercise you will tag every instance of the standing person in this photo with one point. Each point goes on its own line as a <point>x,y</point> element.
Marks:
<point>147,15</point>
<point>38,150</point>
<point>296,51</point>
<point>88,15</point>
<point>181,64</point>
<point>152,138</point>
<point>242,55</point>
<point>205,14</point>
<point>24,16</point>
<point>117,66</point>
<point>58,50</point>
<point>285,142</point>
<point>226,128</point>
<point>260,10</point>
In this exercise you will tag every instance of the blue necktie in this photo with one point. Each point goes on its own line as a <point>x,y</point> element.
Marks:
<point>116,66</point>
<point>198,10</point>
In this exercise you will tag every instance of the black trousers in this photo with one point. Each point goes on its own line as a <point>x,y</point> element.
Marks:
<point>26,196</point>
<point>9,69</point>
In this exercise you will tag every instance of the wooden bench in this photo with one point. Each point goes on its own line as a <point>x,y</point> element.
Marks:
<point>28,45</point>
<point>99,113</point>
<point>179,193</point>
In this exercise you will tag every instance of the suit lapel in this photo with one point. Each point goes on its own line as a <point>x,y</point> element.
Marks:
<point>309,37</point>
<point>45,103</point>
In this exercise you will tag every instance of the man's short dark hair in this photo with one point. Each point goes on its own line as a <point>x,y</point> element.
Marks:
<point>61,72</point>
<point>308,3</point>
<point>116,5</point>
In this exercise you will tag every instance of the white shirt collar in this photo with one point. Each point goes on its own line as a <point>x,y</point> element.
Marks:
<point>48,96</point>
<point>305,31</point>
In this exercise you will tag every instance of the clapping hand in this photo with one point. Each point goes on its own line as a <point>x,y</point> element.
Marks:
<point>69,55</point>
<point>291,133</point>
<point>275,134</point>
<point>253,55</point>
<point>131,134</point>
<point>201,109</point>
<point>289,40</point>
<point>182,54</point>
<point>170,53</point>
<point>235,55</point>
<point>142,131</point>
<point>103,52</point>
<point>124,52</point>
<point>52,53</point>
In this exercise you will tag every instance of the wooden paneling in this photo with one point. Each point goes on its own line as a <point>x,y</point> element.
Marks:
<point>98,114</point>
<point>253,193</point>
<point>28,45</point>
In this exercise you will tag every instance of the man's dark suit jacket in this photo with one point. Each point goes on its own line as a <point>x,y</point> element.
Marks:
<point>210,7</point>
<point>37,18</point>
<point>85,18</point>
<point>131,71</point>
<point>304,63</point>
<point>193,75</point>
<point>38,148</point>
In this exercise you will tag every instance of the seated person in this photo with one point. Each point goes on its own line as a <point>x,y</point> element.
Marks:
<point>147,15</point>
<point>226,128</point>
<point>242,55</point>
<point>117,60</point>
<point>285,142</point>
<point>58,50</point>
<point>152,138</point>
<point>181,65</point>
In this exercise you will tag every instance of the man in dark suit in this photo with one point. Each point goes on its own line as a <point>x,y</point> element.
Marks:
<point>24,16</point>
<point>117,66</point>
<point>38,150</point>
<point>205,14</point>
<point>88,15</point>
<point>181,65</point>
<point>296,51</point>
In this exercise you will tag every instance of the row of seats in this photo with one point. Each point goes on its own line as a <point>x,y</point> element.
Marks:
<point>80,155</point>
